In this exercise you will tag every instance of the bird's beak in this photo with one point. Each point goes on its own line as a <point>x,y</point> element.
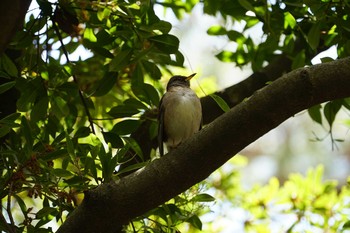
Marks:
<point>191,76</point>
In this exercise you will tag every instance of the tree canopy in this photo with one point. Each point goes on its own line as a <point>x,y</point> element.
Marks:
<point>78,135</point>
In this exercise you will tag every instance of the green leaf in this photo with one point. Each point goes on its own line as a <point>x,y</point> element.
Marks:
<point>8,66</point>
<point>346,225</point>
<point>21,204</point>
<point>226,56</point>
<point>134,145</point>
<point>221,102</point>
<point>123,111</point>
<point>195,222</point>
<point>59,106</point>
<point>203,197</point>
<point>216,30</point>
<point>330,111</point>
<point>45,212</point>
<point>135,104</point>
<point>313,37</point>
<point>162,26</point>
<point>61,172</point>
<point>126,127</point>
<point>89,35</point>
<point>6,86</point>
<point>82,132</point>
<point>27,132</point>
<point>315,113</point>
<point>299,60</point>
<point>106,84</point>
<point>132,167</point>
<point>113,139</point>
<point>246,4</point>
<point>166,43</point>
<point>70,148</point>
<point>55,155</point>
<point>10,119</point>
<point>152,70</point>
<point>39,111</point>
<point>121,60</point>
<point>146,93</point>
<point>289,20</point>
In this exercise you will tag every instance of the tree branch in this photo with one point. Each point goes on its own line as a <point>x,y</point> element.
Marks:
<point>12,14</point>
<point>114,204</point>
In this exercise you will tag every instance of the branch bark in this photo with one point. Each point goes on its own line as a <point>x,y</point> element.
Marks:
<point>111,205</point>
<point>12,14</point>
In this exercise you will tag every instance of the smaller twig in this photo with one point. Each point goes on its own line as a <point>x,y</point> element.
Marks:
<point>81,95</point>
<point>8,208</point>
<point>4,223</point>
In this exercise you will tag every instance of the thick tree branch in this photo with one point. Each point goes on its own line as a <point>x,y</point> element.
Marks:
<point>238,92</point>
<point>12,14</point>
<point>113,204</point>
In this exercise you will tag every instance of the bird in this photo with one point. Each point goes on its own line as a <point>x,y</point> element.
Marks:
<point>180,113</point>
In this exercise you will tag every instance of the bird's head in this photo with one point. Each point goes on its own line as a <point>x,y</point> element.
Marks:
<point>179,80</point>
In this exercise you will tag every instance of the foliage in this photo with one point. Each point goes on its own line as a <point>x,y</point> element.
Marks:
<point>301,204</point>
<point>74,121</point>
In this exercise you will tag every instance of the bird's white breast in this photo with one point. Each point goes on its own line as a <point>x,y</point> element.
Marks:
<point>183,117</point>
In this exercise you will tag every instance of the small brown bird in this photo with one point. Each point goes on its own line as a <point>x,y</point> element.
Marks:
<point>180,113</point>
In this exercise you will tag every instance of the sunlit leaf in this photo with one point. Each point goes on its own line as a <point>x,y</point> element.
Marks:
<point>221,102</point>
<point>216,30</point>
<point>203,197</point>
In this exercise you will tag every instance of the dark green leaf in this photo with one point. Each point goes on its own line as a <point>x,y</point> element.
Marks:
<point>146,93</point>
<point>39,111</point>
<point>166,43</point>
<point>221,102</point>
<point>179,58</point>
<point>82,132</point>
<point>299,60</point>
<point>152,70</point>
<point>61,172</point>
<point>313,37</point>
<point>27,132</point>
<point>114,139</point>
<point>126,127</point>
<point>346,225</point>
<point>8,66</point>
<point>10,120</point>
<point>162,26</point>
<point>6,86</point>
<point>21,204</point>
<point>121,60</point>
<point>135,104</point>
<point>132,167</point>
<point>246,4</point>
<point>106,83</point>
<point>55,155</point>
<point>76,180</point>
<point>315,113</point>
<point>203,197</point>
<point>59,107</point>
<point>123,111</point>
<point>331,109</point>
<point>195,222</point>
<point>44,212</point>
<point>134,145</point>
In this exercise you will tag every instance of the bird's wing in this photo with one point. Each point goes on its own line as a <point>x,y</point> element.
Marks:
<point>160,127</point>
